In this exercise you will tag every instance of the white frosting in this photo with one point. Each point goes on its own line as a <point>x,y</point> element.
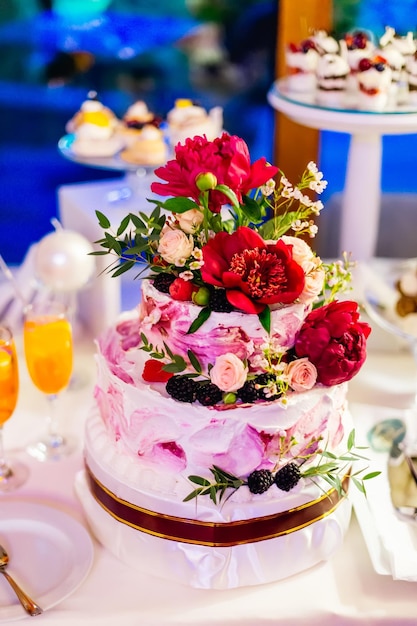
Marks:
<point>304,61</point>
<point>138,111</point>
<point>188,121</point>
<point>408,284</point>
<point>142,446</point>
<point>331,67</point>
<point>325,43</point>
<point>372,79</point>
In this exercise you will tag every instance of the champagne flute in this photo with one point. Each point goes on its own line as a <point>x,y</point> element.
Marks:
<point>47,336</point>
<point>12,473</point>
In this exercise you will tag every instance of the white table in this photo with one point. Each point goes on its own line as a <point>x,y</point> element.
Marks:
<point>345,590</point>
<point>362,193</point>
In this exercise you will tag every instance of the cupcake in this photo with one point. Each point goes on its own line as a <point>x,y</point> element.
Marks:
<point>411,74</point>
<point>136,117</point>
<point>397,50</point>
<point>355,47</point>
<point>94,127</point>
<point>301,61</point>
<point>149,148</point>
<point>374,81</point>
<point>325,43</point>
<point>186,120</point>
<point>332,74</point>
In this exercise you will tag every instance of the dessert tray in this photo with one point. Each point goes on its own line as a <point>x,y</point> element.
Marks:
<point>50,555</point>
<point>108,163</point>
<point>348,104</point>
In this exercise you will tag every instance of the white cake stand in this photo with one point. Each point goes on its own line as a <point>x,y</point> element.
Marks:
<point>362,194</point>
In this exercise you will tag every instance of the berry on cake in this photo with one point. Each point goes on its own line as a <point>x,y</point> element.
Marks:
<point>301,60</point>
<point>221,434</point>
<point>374,80</point>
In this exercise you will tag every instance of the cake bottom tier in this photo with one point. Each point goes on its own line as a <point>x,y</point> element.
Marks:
<point>213,566</point>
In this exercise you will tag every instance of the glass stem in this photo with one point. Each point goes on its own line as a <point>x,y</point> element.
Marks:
<point>5,470</point>
<point>55,439</point>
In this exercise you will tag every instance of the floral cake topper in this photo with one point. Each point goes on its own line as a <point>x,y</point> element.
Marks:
<point>231,237</point>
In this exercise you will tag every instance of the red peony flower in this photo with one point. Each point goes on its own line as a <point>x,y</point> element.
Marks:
<point>334,340</point>
<point>254,274</point>
<point>227,158</point>
<point>153,372</point>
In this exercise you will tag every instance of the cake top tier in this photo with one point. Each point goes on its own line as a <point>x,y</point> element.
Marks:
<point>231,237</point>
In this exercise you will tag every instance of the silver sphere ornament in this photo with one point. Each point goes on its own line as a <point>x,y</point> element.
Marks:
<point>62,261</point>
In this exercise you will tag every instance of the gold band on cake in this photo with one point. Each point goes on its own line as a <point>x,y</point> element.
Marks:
<point>211,533</point>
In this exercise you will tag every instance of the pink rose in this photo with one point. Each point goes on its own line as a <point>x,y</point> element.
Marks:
<point>229,372</point>
<point>301,374</point>
<point>189,221</point>
<point>175,247</point>
<point>333,338</point>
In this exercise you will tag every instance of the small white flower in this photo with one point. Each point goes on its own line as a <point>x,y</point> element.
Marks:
<point>297,194</point>
<point>312,167</point>
<point>195,265</point>
<point>197,253</point>
<point>316,207</point>
<point>306,201</point>
<point>181,262</point>
<point>187,275</point>
<point>268,188</point>
<point>312,230</point>
<point>287,192</point>
<point>318,186</point>
<point>285,182</point>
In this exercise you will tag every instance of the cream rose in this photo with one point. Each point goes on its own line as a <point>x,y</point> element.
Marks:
<point>301,374</point>
<point>189,221</point>
<point>174,246</point>
<point>229,372</point>
<point>313,285</point>
<point>301,253</point>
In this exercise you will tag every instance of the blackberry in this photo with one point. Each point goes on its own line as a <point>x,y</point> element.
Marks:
<point>182,388</point>
<point>264,380</point>
<point>248,393</point>
<point>287,477</point>
<point>162,282</point>
<point>218,301</point>
<point>208,394</point>
<point>260,481</point>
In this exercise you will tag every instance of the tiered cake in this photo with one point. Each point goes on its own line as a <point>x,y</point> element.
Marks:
<point>214,453</point>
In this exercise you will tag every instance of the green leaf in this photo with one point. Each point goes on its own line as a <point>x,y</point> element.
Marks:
<point>137,222</point>
<point>265,319</point>
<point>175,368</point>
<point>371,475</point>
<point>251,209</point>
<point>124,267</point>
<point>199,480</point>
<point>194,361</point>
<point>351,440</point>
<point>192,495</point>
<point>179,205</point>
<point>278,226</point>
<point>199,320</point>
<point>103,221</point>
<point>123,225</point>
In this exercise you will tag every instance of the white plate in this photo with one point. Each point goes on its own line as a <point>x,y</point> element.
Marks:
<point>50,555</point>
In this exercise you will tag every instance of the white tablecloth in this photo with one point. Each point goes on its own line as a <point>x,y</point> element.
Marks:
<point>343,591</point>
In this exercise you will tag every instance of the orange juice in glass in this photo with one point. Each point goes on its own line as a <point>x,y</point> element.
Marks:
<point>12,474</point>
<point>47,336</point>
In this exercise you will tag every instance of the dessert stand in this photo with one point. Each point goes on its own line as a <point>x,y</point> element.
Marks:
<point>137,177</point>
<point>362,193</point>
